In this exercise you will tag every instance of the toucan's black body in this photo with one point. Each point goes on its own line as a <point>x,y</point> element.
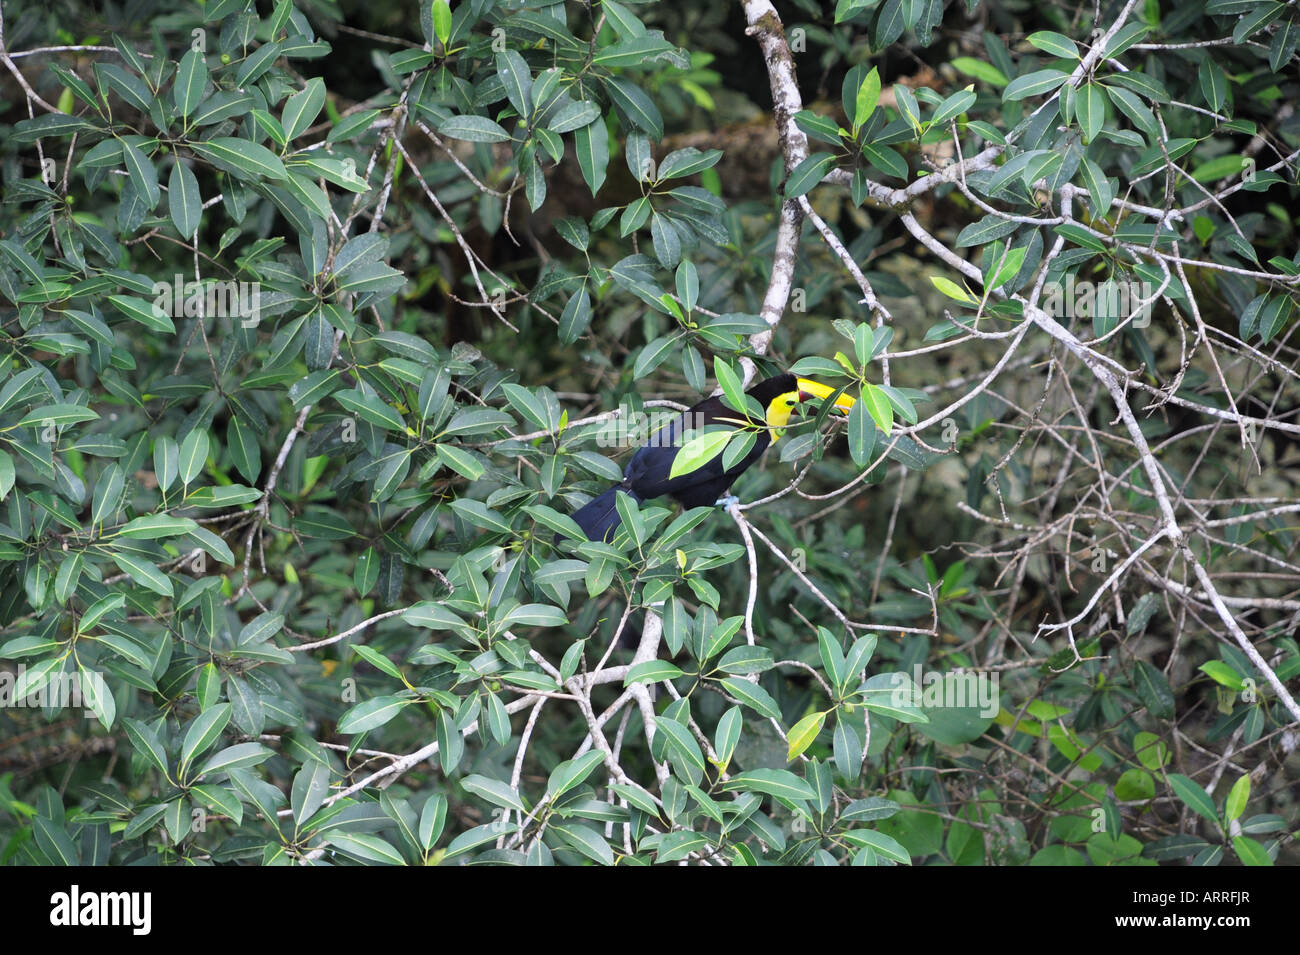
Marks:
<point>647,474</point>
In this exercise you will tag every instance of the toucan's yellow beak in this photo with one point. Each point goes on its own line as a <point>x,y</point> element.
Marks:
<point>809,390</point>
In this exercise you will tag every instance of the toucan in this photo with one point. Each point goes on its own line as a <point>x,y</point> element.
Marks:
<point>649,473</point>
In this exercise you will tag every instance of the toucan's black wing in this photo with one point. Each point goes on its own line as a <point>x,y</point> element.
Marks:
<point>648,473</point>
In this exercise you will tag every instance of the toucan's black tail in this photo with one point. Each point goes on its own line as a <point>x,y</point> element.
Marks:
<point>599,518</point>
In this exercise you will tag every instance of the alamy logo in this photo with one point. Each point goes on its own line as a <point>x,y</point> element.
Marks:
<point>1109,299</point>
<point>223,298</point>
<point>75,907</point>
<point>660,429</point>
<point>63,690</point>
<point>956,689</point>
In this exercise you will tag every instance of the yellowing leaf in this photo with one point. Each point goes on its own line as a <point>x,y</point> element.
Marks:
<point>803,733</point>
<point>951,289</point>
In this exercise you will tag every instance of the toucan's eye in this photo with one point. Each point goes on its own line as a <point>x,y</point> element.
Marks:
<point>791,402</point>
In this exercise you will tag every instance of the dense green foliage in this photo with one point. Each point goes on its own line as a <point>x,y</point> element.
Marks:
<point>317,325</point>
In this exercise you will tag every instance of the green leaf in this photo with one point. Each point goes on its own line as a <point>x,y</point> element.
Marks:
<point>981,70</point>
<point>1090,108</point>
<point>688,161</point>
<point>743,660</point>
<point>1194,797</point>
<point>302,108</point>
<point>309,789</point>
<point>183,200</point>
<point>535,615</point>
<point>1055,44</point>
<point>220,106</point>
<point>635,105</point>
<point>474,129</point>
<point>1100,189</point>
<point>653,355</point>
<point>98,610</point>
<point>868,96</point>
<point>952,289</point>
<point>221,800</point>
<point>879,407</point>
<point>884,845</point>
<point>371,713</point>
<point>459,460</point>
<point>871,809</point>
<point>1033,84</point>
<point>375,411</point>
<point>54,842</point>
<point>773,782</point>
<point>1274,315</point>
<point>728,734</point>
<point>576,317</point>
<point>1151,751</point>
<point>808,173</point>
<point>517,79</point>
<point>891,23</point>
<point>154,526</point>
<point>496,791</point>
<point>666,241</point>
<point>953,106</point>
<point>861,434</point>
<point>142,172</point>
<point>686,756</point>
<point>699,451</point>
<point>1250,852</point>
<point>257,63</point>
<point>1008,268</point>
<point>730,382</point>
<point>7,474</point>
<point>1080,237</point>
<point>203,732</point>
<point>146,742</point>
<point>634,216</point>
<point>57,415</point>
<point>753,696</point>
<point>803,733</point>
<point>146,313</point>
<point>625,22</point>
<point>571,773</point>
<point>245,159</point>
<point>1153,690</point>
<point>586,840</point>
<point>218,497</point>
<point>1222,674</point>
<point>144,573</point>
<point>573,116</point>
<point>1214,84</point>
<point>676,846</point>
<point>1140,83</point>
<point>1222,167</point>
<point>1238,797</point>
<point>193,455</point>
<point>191,80</point>
<point>638,51</point>
<point>591,143</point>
<point>652,671</point>
<point>1135,784</point>
<point>432,819</point>
<point>442,21</point>
<point>366,847</point>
